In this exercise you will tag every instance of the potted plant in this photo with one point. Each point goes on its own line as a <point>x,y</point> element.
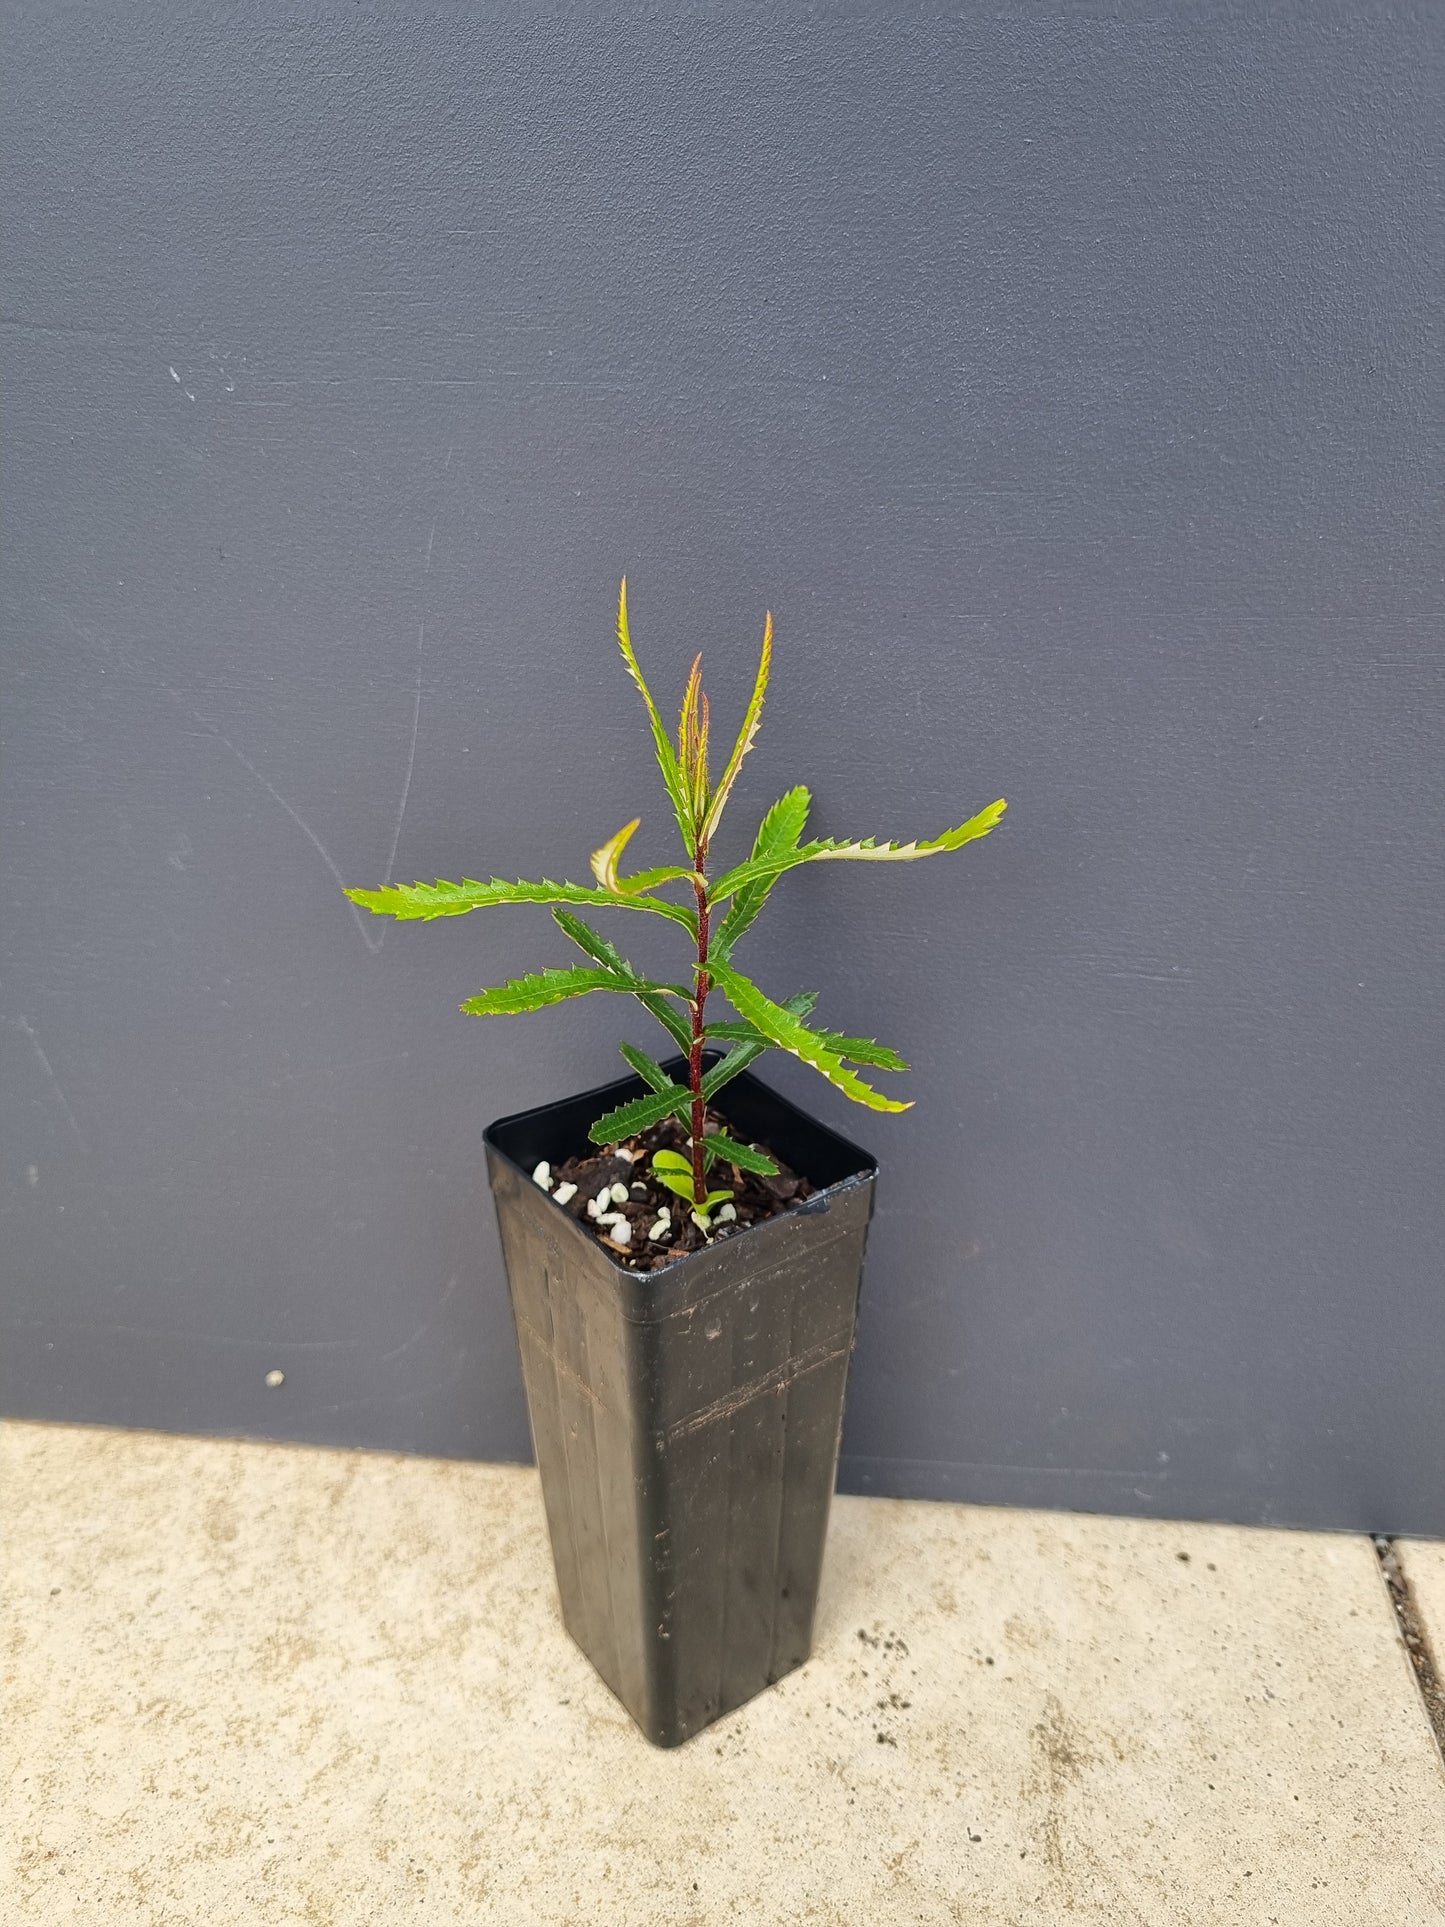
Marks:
<point>684,1250</point>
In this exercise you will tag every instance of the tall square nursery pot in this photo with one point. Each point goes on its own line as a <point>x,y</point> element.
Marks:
<point>686,1421</point>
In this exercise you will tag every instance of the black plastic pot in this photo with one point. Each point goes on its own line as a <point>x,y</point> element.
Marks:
<point>686,1421</point>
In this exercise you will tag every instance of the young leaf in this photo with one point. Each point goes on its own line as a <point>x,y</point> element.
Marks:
<point>779,831</point>
<point>604,861</point>
<point>640,1114</point>
<point>540,988</point>
<point>692,738</point>
<point>406,901</point>
<point>676,1173</point>
<point>604,866</point>
<point>670,1168</point>
<point>666,759</point>
<point>867,851</point>
<point>751,720</point>
<point>789,1034</point>
<point>742,1155</point>
<point>677,1184</point>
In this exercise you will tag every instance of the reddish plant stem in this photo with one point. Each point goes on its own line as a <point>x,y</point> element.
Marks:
<point>698,1007</point>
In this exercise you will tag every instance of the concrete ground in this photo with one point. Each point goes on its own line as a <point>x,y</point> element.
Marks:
<point>264,1684</point>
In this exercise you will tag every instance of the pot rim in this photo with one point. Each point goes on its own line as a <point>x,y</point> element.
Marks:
<point>865,1165</point>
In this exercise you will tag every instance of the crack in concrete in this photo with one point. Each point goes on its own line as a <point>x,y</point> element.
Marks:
<point>1428,1676</point>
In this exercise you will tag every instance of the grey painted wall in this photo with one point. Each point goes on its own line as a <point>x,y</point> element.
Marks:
<point>1068,383</point>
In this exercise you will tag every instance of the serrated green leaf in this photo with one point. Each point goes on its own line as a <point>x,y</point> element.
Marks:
<point>751,719</point>
<point>407,901</point>
<point>757,868</point>
<point>743,1156</point>
<point>666,756</point>
<point>777,833</point>
<point>750,1044</point>
<point>741,1033</point>
<point>606,953</point>
<point>862,1050</point>
<point>727,1068</point>
<point>652,997</point>
<point>603,951</point>
<point>647,1068</point>
<point>856,1050</point>
<point>640,1114</point>
<point>734,1033</point>
<point>789,1034</point>
<point>540,988</point>
<point>600,949</point>
<point>671,1020</point>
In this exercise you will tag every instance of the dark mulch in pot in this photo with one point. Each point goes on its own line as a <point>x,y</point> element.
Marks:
<point>754,1198</point>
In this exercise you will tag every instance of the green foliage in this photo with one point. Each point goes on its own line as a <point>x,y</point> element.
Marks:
<point>718,1147</point>
<point>769,865</point>
<point>666,759</point>
<point>676,1172</point>
<point>600,949</point>
<point>749,1044</point>
<point>778,832</point>
<point>789,1033</point>
<point>654,1001</point>
<point>641,1114</point>
<point>548,987</point>
<point>862,1050</point>
<point>604,867</point>
<point>722,911</point>
<point>647,1068</point>
<point>746,734</point>
<point>406,901</point>
<point>675,1025</point>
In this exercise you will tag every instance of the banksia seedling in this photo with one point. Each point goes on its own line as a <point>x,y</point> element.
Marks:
<point>722,909</point>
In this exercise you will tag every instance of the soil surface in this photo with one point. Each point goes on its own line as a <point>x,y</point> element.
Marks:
<point>629,1164</point>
